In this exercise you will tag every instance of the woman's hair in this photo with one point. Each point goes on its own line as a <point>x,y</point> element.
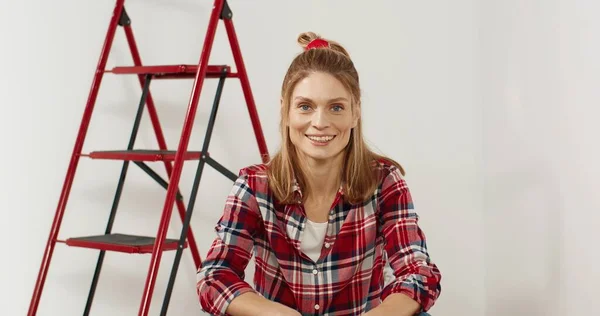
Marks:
<point>359,177</point>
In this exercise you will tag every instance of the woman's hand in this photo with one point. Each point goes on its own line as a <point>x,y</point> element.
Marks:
<point>251,304</point>
<point>395,304</point>
<point>276,309</point>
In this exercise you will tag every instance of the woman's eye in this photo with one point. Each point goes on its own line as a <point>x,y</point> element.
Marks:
<point>304,107</point>
<point>337,108</point>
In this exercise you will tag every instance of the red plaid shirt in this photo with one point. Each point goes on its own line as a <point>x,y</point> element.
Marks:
<point>347,279</point>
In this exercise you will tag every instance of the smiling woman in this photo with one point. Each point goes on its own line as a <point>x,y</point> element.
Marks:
<point>323,73</point>
<point>321,119</point>
<point>331,223</point>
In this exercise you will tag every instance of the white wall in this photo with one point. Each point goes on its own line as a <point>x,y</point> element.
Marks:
<point>419,71</point>
<point>540,70</point>
<point>523,204</point>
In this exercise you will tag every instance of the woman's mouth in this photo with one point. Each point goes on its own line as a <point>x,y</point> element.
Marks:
<point>320,140</point>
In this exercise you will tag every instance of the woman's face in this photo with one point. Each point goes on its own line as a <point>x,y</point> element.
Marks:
<point>320,117</point>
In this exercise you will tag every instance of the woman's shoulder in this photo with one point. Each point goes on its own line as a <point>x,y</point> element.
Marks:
<point>255,170</point>
<point>386,167</point>
<point>255,176</point>
<point>391,175</point>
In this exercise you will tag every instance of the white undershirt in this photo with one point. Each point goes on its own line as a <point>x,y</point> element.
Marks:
<point>312,243</point>
<point>312,239</point>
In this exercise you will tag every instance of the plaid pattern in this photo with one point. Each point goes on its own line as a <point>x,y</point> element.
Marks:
<point>347,279</point>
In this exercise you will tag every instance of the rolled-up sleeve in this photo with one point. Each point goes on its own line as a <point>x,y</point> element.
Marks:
<point>221,277</point>
<point>405,243</point>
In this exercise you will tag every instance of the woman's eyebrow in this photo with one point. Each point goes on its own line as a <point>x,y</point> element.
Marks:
<point>301,98</point>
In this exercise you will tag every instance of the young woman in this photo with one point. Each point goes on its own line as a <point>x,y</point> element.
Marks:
<point>325,217</point>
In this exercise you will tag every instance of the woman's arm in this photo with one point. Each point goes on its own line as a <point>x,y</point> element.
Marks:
<point>220,282</point>
<point>417,278</point>
<point>221,278</point>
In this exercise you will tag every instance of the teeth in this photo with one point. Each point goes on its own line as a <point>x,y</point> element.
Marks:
<point>320,139</point>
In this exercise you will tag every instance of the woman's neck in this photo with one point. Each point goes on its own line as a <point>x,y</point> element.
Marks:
<point>323,177</point>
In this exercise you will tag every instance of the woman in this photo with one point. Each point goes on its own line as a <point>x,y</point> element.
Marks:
<point>324,216</point>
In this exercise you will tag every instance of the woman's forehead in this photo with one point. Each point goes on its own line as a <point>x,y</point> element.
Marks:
<point>320,87</point>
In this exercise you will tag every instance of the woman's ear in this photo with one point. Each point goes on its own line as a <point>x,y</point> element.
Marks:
<point>356,116</point>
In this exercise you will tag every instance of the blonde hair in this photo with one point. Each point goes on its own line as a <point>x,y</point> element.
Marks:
<point>360,175</point>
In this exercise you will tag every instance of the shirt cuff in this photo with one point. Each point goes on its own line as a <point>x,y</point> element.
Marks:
<point>216,300</point>
<point>415,289</point>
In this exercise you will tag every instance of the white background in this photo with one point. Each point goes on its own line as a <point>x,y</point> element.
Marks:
<point>491,106</point>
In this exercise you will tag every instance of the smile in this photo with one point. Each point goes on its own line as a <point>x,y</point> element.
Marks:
<point>320,139</point>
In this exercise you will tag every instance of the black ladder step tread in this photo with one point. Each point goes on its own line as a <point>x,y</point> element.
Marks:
<point>121,243</point>
<point>142,155</point>
<point>173,71</point>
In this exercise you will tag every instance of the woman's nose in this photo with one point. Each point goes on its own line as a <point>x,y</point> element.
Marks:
<point>320,119</point>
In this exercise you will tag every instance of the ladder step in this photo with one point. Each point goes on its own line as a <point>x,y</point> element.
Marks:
<point>121,243</point>
<point>173,71</point>
<point>142,155</point>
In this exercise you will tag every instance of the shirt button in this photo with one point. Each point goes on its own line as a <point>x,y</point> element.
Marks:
<point>327,245</point>
<point>315,271</point>
<point>317,307</point>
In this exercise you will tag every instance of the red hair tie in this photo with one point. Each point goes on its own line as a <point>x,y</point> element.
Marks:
<point>317,43</point>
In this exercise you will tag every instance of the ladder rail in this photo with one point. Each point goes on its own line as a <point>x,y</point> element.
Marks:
<point>162,143</point>
<point>178,164</point>
<point>118,194</point>
<point>194,192</point>
<point>245,83</point>
<point>75,155</point>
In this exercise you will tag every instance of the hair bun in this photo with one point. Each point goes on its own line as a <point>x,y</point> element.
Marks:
<point>305,38</point>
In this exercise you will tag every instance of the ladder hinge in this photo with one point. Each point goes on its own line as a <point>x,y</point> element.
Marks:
<point>124,20</point>
<point>226,13</point>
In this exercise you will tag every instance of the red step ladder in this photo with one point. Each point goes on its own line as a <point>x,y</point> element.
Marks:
<point>173,159</point>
